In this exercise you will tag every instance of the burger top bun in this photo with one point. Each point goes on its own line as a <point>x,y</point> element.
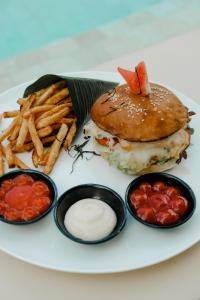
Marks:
<point>139,118</point>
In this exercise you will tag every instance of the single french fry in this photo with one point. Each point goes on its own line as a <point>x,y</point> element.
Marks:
<point>58,96</point>
<point>22,134</point>
<point>40,92</point>
<point>50,112</point>
<point>37,109</point>
<point>70,135</point>
<point>35,158</point>
<point>28,103</point>
<point>46,131</point>
<point>67,121</point>
<point>1,162</point>
<point>49,92</point>
<point>9,156</point>
<point>43,162</point>
<point>53,118</point>
<point>16,129</point>
<point>19,163</point>
<point>56,126</point>
<point>8,131</point>
<point>21,101</point>
<point>35,138</point>
<point>48,139</point>
<point>55,149</point>
<point>67,101</point>
<point>29,146</point>
<point>10,114</point>
<point>26,147</point>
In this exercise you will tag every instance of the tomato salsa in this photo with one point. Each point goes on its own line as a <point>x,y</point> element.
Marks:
<point>23,198</point>
<point>158,203</point>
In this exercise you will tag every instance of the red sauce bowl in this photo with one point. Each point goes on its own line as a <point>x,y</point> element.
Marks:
<point>14,200</point>
<point>149,215</point>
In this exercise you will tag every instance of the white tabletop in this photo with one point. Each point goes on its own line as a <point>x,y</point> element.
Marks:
<point>176,63</point>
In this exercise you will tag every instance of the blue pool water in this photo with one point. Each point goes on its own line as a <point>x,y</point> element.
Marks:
<point>26,25</point>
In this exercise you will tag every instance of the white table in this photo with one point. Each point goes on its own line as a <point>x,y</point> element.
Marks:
<point>175,63</point>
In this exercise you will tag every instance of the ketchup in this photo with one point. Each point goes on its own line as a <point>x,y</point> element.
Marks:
<point>158,203</point>
<point>23,198</point>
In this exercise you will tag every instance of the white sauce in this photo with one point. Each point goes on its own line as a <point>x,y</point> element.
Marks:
<point>90,219</point>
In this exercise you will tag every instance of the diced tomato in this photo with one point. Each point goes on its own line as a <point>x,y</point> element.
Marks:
<point>22,198</point>
<point>145,186</point>
<point>19,196</point>
<point>179,204</point>
<point>138,199</point>
<point>12,214</point>
<point>171,191</point>
<point>41,203</point>
<point>2,194</point>
<point>3,207</point>
<point>167,217</point>
<point>29,213</point>
<point>158,201</point>
<point>23,180</point>
<point>40,188</point>
<point>147,214</point>
<point>7,184</point>
<point>103,141</point>
<point>158,186</point>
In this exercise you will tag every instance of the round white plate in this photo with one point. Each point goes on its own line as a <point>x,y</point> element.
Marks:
<point>137,246</point>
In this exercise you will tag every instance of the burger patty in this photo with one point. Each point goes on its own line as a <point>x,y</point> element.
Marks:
<point>134,157</point>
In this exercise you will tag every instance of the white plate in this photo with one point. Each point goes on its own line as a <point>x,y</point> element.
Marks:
<point>137,246</point>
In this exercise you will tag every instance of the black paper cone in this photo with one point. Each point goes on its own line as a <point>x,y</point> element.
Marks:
<point>83,92</point>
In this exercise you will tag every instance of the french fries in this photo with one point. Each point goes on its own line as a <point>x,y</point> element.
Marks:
<point>8,131</point>
<point>35,138</point>
<point>44,123</point>
<point>50,91</point>
<point>16,129</point>
<point>35,158</point>
<point>1,162</point>
<point>9,156</point>
<point>58,97</point>
<point>55,148</point>
<point>10,114</point>
<point>37,109</point>
<point>52,119</point>
<point>22,134</point>
<point>70,135</point>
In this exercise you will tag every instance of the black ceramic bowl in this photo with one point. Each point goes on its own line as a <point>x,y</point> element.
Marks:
<point>36,175</point>
<point>170,180</point>
<point>90,191</point>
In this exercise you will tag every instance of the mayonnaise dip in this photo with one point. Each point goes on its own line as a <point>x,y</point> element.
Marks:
<point>90,219</point>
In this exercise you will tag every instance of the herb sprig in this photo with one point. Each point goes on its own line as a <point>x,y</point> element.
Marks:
<point>79,153</point>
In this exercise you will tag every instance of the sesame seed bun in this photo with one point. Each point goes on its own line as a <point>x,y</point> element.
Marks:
<point>139,118</point>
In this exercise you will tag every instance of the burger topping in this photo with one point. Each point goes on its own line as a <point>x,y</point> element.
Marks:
<point>138,80</point>
<point>134,157</point>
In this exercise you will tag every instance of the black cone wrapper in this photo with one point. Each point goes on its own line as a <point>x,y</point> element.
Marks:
<point>83,92</point>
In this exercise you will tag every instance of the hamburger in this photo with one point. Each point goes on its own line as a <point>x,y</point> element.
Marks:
<point>139,132</point>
